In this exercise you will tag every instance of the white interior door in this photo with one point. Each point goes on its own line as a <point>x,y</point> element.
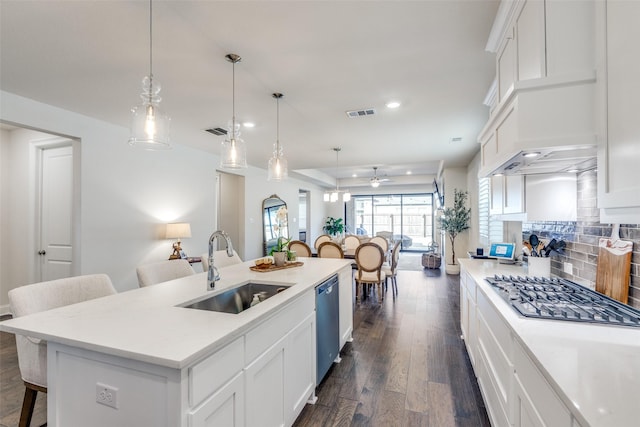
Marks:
<point>56,204</point>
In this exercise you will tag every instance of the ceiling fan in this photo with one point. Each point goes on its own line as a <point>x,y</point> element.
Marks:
<point>375,181</point>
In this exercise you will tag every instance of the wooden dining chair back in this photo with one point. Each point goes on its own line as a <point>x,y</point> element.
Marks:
<point>369,259</point>
<point>163,271</point>
<point>382,242</point>
<point>330,250</point>
<point>320,240</point>
<point>32,352</point>
<point>390,269</point>
<point>300,248</point>
<point>351,242</point>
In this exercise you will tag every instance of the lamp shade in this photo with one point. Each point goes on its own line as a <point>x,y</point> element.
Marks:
<point>178,230</point>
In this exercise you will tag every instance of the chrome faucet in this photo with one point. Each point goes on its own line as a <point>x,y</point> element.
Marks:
<point>213,275</point>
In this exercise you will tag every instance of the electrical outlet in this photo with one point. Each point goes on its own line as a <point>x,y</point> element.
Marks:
<point>107,395</point>
<point>568,268</point>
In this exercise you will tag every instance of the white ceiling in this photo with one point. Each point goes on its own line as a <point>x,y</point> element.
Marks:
<point>326,57</point>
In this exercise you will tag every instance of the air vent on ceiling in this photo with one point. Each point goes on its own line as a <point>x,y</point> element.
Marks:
<point>217,131</point>
<point>361,113</point>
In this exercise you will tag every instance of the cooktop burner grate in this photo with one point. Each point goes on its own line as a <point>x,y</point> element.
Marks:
<point>561,299</point>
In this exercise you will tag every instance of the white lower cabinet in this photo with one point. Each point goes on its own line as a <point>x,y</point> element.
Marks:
<point>514,390</point>
<point>536,403</point>
<point>261,378</point>
<point>224,408</point>
<point>265,388</point>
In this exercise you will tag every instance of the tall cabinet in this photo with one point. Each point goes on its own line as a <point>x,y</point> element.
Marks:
<point>619,111</point>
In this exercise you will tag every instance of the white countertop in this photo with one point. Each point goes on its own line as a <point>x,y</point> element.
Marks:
<point>594,369</point>
<point>147,324</point>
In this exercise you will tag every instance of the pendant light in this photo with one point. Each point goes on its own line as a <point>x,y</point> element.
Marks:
<point>375,182</point>
<point>149,124</point>
<point>277,164</point>
<point>234,150</point>
<point>335,194</point>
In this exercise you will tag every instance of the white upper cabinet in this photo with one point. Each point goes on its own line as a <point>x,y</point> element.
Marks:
<point>619,111</point>
<point>545,67</point>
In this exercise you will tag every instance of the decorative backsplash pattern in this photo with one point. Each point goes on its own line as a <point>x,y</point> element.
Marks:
<point>582,238</point>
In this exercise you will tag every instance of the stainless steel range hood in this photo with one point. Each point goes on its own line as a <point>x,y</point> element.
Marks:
<point>550,160</point>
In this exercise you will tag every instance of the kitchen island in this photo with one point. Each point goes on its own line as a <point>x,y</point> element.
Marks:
<point>538,372</point>
<point>152,362</point>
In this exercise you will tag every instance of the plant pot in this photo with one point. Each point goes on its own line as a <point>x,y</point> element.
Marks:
<point>279,258</point>
<point>453,269</point>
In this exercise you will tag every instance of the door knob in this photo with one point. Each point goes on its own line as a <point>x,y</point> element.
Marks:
<point>42,252</point>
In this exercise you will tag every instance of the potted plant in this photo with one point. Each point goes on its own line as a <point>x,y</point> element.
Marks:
<point>280,251</point>
<point>333,226</point>
<point>454,221</point>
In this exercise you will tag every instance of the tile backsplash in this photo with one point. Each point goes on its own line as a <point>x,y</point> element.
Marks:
<point>582,238</point>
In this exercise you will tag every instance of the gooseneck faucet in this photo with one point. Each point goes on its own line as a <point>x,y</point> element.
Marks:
<point>213,275</point>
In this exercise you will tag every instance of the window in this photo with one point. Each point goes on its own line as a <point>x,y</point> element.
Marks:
<point>407,218</point>
<point>490,230</point>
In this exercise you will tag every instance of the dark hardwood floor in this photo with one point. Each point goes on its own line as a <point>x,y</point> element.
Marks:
<point>406,366</point>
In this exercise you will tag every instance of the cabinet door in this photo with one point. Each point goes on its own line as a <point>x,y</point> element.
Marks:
<point>264,379</point>
<point>496,195</point>
<point>513,201</point>
<point>506,67</point>
<point>223,408</point>
<point>618,172</point>
<point>526,414</point>
<point>530,36</point>
<point>300,367</point>
<point>346,305</point>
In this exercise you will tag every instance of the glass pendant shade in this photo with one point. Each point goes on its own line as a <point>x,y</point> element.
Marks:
<point>234,150</point>
<point>346,196</point>
<point>278,169</point>
<point>233,153</point>
<point>149,124</point>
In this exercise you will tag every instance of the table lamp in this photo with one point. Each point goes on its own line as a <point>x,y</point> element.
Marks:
<point>178,230</point>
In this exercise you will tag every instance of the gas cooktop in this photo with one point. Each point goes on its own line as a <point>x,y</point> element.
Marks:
<point>561,299</point>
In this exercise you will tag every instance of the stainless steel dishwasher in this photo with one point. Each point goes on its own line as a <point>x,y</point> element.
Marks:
<point>327,326</point>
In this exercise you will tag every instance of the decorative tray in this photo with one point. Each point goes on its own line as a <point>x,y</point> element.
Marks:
<point>272,267</point>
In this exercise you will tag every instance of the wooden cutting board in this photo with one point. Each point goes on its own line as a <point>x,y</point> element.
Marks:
<point>614,266</point>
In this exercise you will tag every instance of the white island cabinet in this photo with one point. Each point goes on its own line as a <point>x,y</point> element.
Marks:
<point>553,373</point>
<point>161,364</point>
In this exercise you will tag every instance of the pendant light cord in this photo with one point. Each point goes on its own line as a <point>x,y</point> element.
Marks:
<point>277,126</point>
<point>233,100</point>
<point>150,50</point>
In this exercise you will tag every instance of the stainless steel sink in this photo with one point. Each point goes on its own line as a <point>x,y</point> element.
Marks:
<point>238,299</point>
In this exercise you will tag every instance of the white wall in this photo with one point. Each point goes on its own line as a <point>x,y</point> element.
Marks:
<point>127,195</point>
<point>455,178</point>
<point>4,210</point>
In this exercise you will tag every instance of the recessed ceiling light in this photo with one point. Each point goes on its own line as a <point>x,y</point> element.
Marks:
<point>355,175</point>
<point>392,104</point>
<point>408,172</point>
<point>498,174</point>
<point>248,124</point>
<point>572,171</point>
<point>531,154</point>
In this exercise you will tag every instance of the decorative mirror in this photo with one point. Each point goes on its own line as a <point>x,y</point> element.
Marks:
<point>275,221</point>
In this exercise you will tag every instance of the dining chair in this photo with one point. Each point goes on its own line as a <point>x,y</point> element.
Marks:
<point>221,259</point>
<point>380,241</point>
<point>390,269</point>
<point>321,239</point>
<point>351,242</point>
<point>163,271</point>
<point>32,352</point>
<point>369,259</point>
<point>330,250</point>
<point>300,248</point>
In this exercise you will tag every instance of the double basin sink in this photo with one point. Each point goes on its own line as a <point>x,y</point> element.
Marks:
<point>238,299</point>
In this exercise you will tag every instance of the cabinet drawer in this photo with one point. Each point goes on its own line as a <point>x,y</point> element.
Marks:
<point>539,393</point>
<point>497,412</point>
<point>210,374</point>
<point>263,336</point>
